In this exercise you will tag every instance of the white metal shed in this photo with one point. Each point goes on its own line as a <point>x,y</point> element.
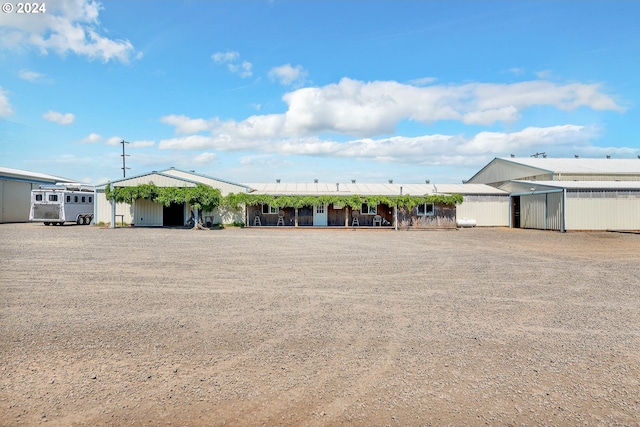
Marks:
<point>15,192</point>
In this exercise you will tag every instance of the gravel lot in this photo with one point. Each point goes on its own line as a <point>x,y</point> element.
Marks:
<point>251,327</point>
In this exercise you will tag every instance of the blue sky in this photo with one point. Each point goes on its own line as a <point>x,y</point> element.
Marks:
<point>253,91</point>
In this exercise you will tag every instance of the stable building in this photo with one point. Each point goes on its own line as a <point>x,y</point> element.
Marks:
<point>501,170</point>
<point>573,194</point>
<point>482,205</point>
<point>15,192</point>
<point>146,213</point>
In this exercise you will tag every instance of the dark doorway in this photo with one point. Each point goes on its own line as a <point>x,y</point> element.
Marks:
<point>173,215</point>
<point>515,211</point>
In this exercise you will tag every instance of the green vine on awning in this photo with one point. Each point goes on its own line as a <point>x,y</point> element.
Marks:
<point>199,197</point>
<point>208,198</point>
<point>235,201</point>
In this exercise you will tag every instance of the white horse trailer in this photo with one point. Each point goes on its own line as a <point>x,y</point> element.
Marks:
<point>58,204</point>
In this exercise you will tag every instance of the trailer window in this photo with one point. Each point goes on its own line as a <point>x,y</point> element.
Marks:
<point>68,199</point>
<point>83,199</point>
<point>53,197</point>
<point>75,199</point>
<point>38,197</point>
<point>90,199</point>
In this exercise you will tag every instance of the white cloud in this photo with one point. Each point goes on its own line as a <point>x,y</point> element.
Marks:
<point>67,26</point>
<point>232,60</point>
<point>243,69</point>
<point>91,138</point>
<point>425,149</point>
<point>192,142</point>
<point>31,76</point>
<point>288,75</point>
<point>184,124</point>
<point>59,118</point>
<point>369,113</point>
<point>204,158</point>
<point>223,57</point>
<point>498,142</point>
<point>142,144</point>
<point>516,71</point>
<point>5,107</point>
<point>114,140</point>
<point>544,74</point>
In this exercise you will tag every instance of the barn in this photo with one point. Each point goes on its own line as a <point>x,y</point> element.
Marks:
<point>488,206</point>
<point>15,192</point>
<point>146,213</point>
<point>573,194</point>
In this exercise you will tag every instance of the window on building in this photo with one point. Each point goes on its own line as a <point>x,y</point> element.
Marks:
<point>320,208</point>
<point>426,209</point>
<point>268,209</point>
<point>53,197</point>
<point>368,209</point>
<point>38,197</point>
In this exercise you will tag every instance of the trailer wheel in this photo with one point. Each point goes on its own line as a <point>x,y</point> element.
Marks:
<point>47,223</point>
<point>80,220</point>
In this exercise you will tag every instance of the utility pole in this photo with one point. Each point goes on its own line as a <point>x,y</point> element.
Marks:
<point>124,156</point>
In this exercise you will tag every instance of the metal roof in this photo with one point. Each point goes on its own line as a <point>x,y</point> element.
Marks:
<point>200,177</point>
<point>378,189</point>
<point>585,185</point>
<point>20,174</point>
<point>579,165</point>
<point>135,180</point>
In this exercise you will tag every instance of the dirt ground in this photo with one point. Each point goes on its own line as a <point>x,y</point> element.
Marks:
<point>252,327</point>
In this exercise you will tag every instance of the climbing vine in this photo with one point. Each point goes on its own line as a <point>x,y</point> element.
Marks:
<point>208,198</point>
<point>234,201</point>
<point>199,197</point>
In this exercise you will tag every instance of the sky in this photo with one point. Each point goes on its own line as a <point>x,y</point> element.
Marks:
<point>254,91</point>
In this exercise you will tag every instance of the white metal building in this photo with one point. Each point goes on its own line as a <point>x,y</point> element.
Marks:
<point>486,205</point>
<point>501,170</point>
<point>15,192</point>
<point>575,205</point>
<point>572,194</point>
<point>145,213</point>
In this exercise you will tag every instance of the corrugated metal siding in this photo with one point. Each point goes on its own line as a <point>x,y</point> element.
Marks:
<point>158,180</point>
<point>554,211</point>
<point>541,211</point>
<point>492,212</point>
<point>500,170</point>
<point>15,201</point>
<point>103,210</point>
<point>533,211</point>
<point>603,214</point>
<point>224,187</point>
<point>147,213</point>
<point>598,177</point>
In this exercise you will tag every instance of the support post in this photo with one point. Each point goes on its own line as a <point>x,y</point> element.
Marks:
<point>395,217</point>
<point>296,217</point>
<point>346,216</point>
<point>113,213</point>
